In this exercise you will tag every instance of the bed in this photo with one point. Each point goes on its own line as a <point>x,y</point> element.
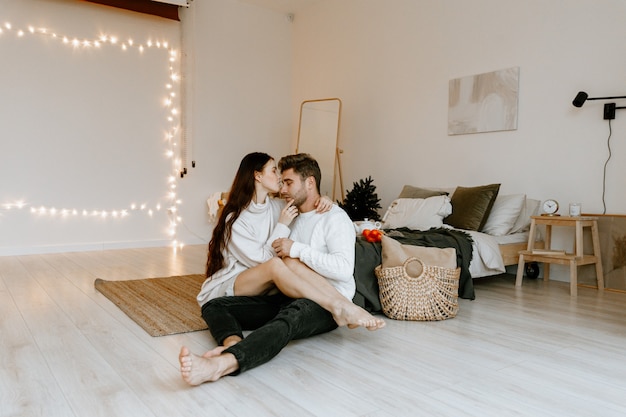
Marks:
<point>488,230</point>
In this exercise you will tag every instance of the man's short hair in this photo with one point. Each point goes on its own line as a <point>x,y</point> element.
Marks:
<point>304,165</point>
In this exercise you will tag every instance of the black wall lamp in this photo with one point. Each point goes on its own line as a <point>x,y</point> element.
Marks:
<point>609,108</point>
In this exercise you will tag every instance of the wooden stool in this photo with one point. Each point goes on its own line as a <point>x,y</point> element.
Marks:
<point>572,259</point>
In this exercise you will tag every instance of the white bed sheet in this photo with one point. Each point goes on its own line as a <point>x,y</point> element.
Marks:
<point>486,256</point>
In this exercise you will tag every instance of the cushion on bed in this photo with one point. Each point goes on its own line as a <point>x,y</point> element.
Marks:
<point>471,206</point>
<point>505,211</point>
<point>530,208</point>
<point>417,213</point>
<point>408,191</point>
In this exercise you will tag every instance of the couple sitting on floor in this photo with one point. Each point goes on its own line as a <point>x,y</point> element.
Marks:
<point>282,283</point>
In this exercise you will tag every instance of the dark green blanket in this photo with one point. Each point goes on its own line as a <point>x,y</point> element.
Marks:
<point>368,256</point>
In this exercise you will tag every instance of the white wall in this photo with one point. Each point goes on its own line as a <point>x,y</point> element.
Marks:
<point>390,63</point>
<point>84,128</point>
<point>241,97</point>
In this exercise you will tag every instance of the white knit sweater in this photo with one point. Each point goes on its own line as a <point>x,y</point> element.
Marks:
<point>325,242</point>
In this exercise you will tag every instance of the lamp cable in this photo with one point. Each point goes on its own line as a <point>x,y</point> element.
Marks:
<point>608,144</point>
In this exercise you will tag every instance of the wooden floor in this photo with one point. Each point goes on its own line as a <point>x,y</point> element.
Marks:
<point>65,350</point>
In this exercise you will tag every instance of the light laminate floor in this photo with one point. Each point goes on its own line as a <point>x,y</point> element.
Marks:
<point>65,350</point>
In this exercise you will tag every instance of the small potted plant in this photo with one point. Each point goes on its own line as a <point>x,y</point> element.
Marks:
<point>362,202</point>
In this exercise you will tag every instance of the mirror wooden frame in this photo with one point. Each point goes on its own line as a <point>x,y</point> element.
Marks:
<point>318,135</point>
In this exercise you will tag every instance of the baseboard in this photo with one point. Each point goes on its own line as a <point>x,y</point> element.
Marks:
<point>82,247</point>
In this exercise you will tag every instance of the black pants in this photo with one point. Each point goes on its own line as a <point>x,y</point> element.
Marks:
<point>275,320</point>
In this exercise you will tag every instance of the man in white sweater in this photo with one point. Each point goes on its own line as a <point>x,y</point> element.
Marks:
<point>320,242</point>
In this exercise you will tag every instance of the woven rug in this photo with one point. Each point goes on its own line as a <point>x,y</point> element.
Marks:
<point>161,306</point>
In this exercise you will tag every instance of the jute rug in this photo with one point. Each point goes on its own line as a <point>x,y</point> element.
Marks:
<point>161,306</point>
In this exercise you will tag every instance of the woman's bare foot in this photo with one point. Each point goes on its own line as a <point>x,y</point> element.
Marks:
<point>196,370</point>
<point>353,316</point>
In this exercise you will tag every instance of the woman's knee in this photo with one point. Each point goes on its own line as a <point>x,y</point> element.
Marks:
<point>276,266</point>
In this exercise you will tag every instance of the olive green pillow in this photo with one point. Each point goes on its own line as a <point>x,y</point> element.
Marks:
<point>471,206</point>
<point>408,191</point>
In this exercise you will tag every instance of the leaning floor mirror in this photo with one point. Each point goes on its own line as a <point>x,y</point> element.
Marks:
<point>318,135</point>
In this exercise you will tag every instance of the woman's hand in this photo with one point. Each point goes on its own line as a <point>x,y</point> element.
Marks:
<point>324,204</point>
<point>288,213</point>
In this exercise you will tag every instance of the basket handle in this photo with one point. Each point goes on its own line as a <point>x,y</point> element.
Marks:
<point>408,261</point>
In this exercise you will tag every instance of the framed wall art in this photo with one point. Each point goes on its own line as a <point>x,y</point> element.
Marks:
<point>483,103</point>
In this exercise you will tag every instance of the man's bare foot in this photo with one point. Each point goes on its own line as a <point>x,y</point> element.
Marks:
<point>217,351</point>
<point>353,316</point>
<point>196,370</point>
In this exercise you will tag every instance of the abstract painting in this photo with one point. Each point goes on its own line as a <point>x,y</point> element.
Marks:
<point>483,103</point>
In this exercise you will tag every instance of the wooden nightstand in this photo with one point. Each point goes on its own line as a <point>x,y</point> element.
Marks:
<point>572,259</point>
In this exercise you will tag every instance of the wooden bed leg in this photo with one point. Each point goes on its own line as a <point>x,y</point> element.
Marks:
<point>520,271</point>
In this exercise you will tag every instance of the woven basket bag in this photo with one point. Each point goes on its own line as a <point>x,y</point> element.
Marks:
<point>433,295</point>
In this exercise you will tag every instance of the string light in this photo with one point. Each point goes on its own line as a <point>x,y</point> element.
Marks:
<point>172,120</point>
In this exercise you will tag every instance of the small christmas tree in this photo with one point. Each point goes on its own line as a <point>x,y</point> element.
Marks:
<point>362,202</point>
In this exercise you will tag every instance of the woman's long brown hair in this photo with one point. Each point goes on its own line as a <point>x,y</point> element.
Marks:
<point>240,196</point>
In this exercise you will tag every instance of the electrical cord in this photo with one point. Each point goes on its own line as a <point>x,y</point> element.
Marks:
<point>608,144</point>
<point>195,234</point>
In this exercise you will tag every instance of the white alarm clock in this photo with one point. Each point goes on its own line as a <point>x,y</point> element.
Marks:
<point>550,207</point>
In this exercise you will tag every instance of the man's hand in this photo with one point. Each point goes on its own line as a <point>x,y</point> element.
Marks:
<point>282,246</point>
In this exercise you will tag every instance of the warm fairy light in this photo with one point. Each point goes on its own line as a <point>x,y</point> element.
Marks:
<point>172,119</point>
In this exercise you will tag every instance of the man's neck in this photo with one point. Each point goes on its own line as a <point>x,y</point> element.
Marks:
<point>309,204</point>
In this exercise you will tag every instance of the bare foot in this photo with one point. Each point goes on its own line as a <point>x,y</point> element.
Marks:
<point>214,352</point>
<point>196,370</point>
<point>353,316</point>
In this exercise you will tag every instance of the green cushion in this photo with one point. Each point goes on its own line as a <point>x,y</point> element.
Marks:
<point>471,206</point>
<point>408,191</point>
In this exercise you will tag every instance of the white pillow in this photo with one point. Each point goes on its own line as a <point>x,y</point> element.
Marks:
<point>505,211</point>
<point>530,208</point>
<point>417,213</point>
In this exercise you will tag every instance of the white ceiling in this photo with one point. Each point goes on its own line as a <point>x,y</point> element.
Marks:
<point>283,6</point>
